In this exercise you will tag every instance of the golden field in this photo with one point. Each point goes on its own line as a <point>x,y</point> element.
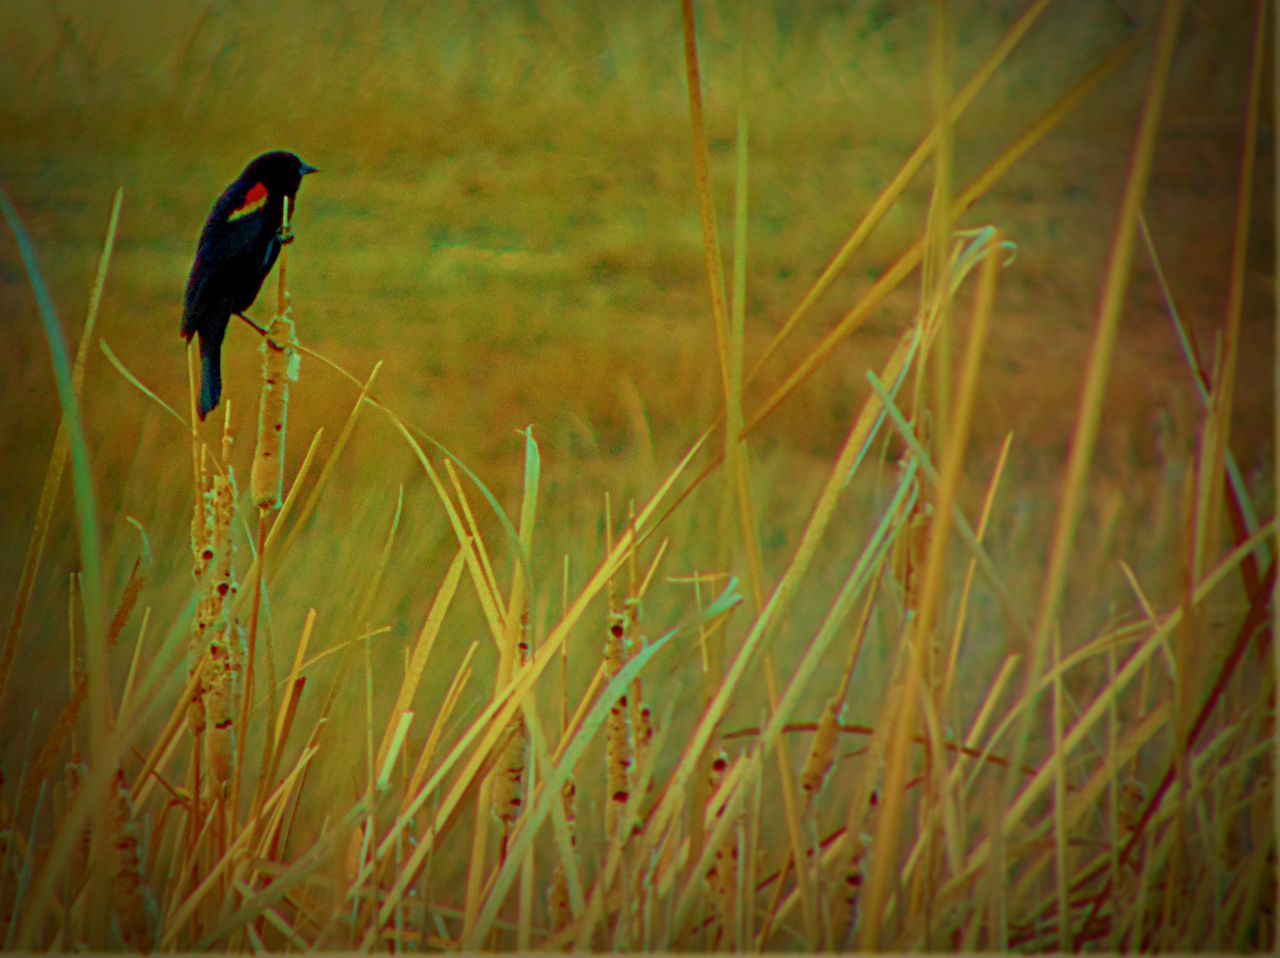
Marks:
<point>1072,716</point>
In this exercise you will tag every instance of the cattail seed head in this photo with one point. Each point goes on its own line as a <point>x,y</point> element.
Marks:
<point>133,903</point>
<point>618,745</point>
<point>220,712</point>
<point>822,752</point>
<point>279,367</point>
<point>508,790</point>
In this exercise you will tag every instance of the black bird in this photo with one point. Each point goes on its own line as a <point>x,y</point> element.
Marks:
<point>238,246</point>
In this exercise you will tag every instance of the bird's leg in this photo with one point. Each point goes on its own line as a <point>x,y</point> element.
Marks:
<point>260,330</point>
<point>264,333</point>
<point>285,234</point>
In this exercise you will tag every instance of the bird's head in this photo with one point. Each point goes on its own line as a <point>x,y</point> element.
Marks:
<point>280,171</point>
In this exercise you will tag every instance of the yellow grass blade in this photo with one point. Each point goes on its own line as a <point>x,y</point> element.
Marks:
<point>894,189</point>
<point>966,589</point>
<point>423,645</point>
<point>137,384</point>
<point>706,203</point>
<point>102,774</point>
<point>884,868</point>
<point>508,657</point>
<point>492,596</point>
<point>1218,437</point>
<point>994,578</point>
<point>552,782</point>
<point>908,261</point>
<point>1249,514</point>
<point>855,446</point>
<point>282,882</point>
<point>494,717</point>
<point>1089,413</point>
<point>313,496</point>
<point>1096,712</point>
<point>492,720</point>
<point>858,579</point>
<point>448,706</point>
<point>179,917</point>
<point>475,564</point>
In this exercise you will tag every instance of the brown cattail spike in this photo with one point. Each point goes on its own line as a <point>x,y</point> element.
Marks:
<point>77,771</point>
<point>558,894</point>
<point>644,736</point>
<point>558,899</point>
<point>855,871</point>
<point>221,700</point>
<point>722,876</point>
<point>822,753</point>
<point>913,546</point>
<point>221,681</point>
<point>508,789</point>
<point>204,551</point>
<point>132,900</point>
<point>618,745</point>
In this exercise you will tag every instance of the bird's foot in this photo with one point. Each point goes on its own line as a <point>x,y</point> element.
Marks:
<point>285,234</point>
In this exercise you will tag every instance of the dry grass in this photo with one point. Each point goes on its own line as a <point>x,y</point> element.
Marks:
<point>920,602</point>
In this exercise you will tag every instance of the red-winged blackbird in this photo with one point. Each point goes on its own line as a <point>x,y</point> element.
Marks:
<point>238,246</point>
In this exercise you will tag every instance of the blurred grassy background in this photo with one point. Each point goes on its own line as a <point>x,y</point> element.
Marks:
<point>506,216</point>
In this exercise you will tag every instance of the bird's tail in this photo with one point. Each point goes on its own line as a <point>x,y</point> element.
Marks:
<point>210,375</point>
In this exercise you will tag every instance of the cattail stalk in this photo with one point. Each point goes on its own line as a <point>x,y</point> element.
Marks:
<point>280,364</point>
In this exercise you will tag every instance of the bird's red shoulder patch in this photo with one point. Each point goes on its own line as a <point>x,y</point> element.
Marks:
<point>254,200</point>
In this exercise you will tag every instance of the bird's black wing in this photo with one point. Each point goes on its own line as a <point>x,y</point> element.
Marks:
<point>229,260</point>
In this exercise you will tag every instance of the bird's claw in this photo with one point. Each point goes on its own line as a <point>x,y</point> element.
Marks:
<point>285,235</point>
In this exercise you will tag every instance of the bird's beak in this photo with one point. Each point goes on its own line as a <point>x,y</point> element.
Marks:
<point>308,168</point>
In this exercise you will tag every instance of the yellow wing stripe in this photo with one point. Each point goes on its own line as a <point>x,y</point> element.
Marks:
<point>254,200</point>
